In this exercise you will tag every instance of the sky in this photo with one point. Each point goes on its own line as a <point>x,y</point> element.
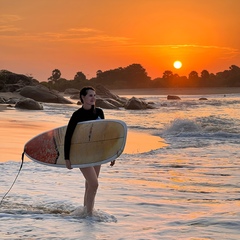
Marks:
<point>38,36</point>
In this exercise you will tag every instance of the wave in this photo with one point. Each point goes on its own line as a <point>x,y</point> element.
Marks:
<point>203,125</point>
<point>196,103</point>
<point>200,132</point>
<point>46,210</point>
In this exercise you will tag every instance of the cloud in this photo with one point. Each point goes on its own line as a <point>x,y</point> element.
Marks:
<point>190,46</point>
<point>6,18</point>
<point>75,35</point>
<point>9,28</point>
<point>229,52</point>
<point>81,35</point>
<point>84,30</point>
<point>6,23</point>
<point>226,50</point>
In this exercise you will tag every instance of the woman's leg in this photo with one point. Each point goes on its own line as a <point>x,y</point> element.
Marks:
<point>91,185</point>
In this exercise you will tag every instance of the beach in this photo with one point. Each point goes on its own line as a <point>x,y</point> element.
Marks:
<point>178,177</point>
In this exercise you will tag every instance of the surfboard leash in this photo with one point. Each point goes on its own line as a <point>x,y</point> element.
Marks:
<point>14,179</point>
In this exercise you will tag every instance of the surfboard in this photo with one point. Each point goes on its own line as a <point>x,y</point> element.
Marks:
<point>93,143</point>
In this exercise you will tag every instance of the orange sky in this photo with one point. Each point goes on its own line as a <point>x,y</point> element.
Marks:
<point>90,35</point>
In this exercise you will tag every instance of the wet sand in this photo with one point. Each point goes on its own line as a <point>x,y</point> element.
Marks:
<point>14,135</point>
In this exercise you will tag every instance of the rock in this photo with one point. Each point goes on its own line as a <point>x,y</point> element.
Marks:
<point>2,100</point>
<point>136,104</point>
<point>114,102</point>
<point>151,103</point>
<point>75,96</point>
<point>28,103</point>
<point>103,92</point>
<point>43,94</point>
<point>72,91</point>
<point>203,98</point>
<point>12,100</point>
<point>11,82</point>
<point>12,87</point>
<point>102,103</point>
<point>173,97</point>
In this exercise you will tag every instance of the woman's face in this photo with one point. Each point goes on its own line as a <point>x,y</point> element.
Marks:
<point>90,98</point>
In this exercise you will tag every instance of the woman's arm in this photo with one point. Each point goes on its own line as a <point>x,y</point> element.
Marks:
<point>68,136</point>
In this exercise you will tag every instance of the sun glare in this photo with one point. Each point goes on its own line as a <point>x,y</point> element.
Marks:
<point>177,64</point>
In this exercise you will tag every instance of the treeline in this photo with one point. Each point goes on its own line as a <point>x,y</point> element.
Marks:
<point>135,76</point>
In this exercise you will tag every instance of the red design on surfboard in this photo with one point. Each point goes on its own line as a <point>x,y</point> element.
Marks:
<point>48,152</point>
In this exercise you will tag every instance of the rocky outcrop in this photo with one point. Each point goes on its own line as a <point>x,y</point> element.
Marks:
<point>75,96</point>
<point>136,104</point>
<point>23,86</point>
<point>11,100</point>
<point>43,94</point>
<point>173,97</point>
<point>11,82</point>
<point>28,103</point>
<point>102,103</point>
<point>2,100</point>
<point>72,91</point>
<point>106,99</point>
<point>115,102</point>
<point>203,99</point>
<point>104,93</point>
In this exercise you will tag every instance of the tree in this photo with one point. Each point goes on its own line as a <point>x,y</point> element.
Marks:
<point>167,74</point>
<point>135,75</point>
<point>132,76</point>
<point>98,73</point>
<point>80,76</point>
<point>193,76</point>
<point>56,74</point>
<point>205,74</point>
<point>234,76</point>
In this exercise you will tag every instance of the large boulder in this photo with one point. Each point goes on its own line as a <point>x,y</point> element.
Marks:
<point>28,103</point>
<point>2,100</point>
<point>71,91</point>
<point>136,104</point>
<point>114,102</point>
<point>103,92</point>
<point>43,94</point>
<point>102,103</point>
<point>75,96</point>
<point>173,97</point>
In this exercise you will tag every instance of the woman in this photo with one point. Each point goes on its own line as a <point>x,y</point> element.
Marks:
<point>87,112</point>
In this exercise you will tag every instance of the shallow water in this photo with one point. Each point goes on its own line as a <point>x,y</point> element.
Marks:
<point>189,189</point>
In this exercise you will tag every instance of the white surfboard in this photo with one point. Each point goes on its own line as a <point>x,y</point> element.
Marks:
<point>93,143</point>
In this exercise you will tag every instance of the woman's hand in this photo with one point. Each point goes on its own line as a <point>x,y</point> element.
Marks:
<point>112,163</point>
<point>68,164</point>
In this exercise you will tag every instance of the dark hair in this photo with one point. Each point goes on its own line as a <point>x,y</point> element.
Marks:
<point>84,92</point>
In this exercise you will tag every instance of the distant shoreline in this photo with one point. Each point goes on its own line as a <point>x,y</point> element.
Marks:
<point>150,91</point>
<point>176,91</point>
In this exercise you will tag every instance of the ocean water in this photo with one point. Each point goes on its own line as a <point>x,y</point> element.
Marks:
<point>189,189</point>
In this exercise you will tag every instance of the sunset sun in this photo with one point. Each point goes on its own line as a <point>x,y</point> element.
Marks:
<point>177,64</point>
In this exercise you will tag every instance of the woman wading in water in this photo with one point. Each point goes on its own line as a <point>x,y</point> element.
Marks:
<point>87,112</point>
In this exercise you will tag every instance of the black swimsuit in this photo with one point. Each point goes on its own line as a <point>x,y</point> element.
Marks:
<point>80,115</point>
